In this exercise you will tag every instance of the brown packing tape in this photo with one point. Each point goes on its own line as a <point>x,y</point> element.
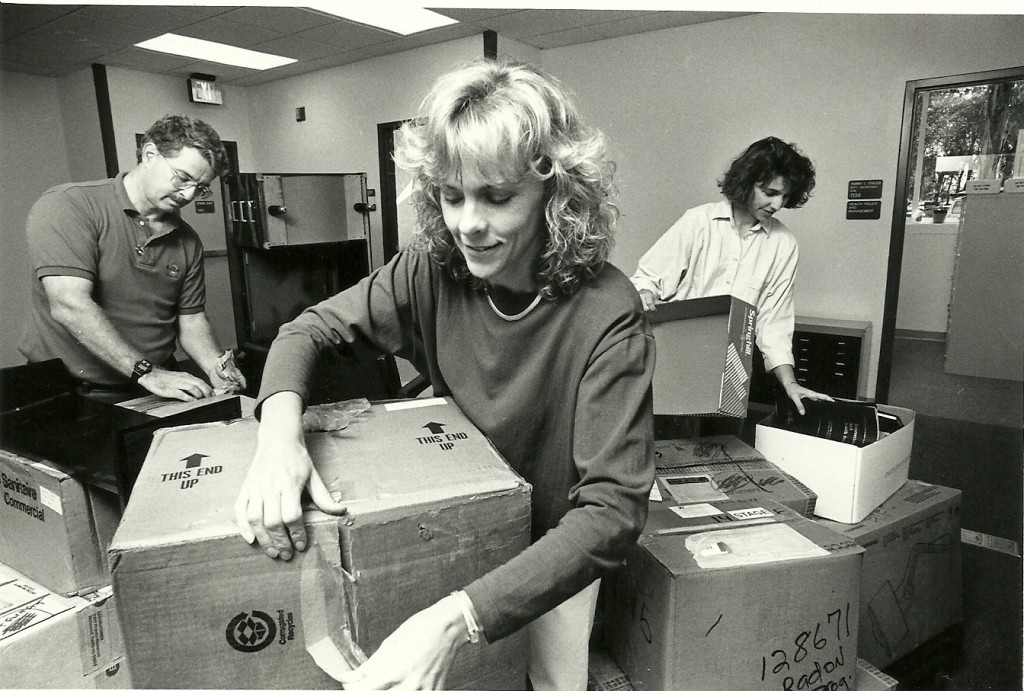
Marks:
<point>325,618</point>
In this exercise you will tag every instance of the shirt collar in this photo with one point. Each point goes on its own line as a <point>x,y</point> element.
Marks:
<point>174,220</point>
<point>723,211</point>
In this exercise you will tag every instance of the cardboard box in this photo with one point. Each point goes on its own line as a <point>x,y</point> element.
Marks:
<point>723,467</point>
<point>51,641</point>
<point>705,355</point>
<point>431,507</point>
<point>736,595</point>
<point>55,529</point>
<point>911,588</point>
<point>850,481</point>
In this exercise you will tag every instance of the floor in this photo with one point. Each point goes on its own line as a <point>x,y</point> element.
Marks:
<point>969,435</point>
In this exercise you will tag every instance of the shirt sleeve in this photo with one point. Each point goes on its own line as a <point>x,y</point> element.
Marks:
<point>614,454</point>
<point>192,297</point>
<point>62,240</point>
<point>775,313</point>
<point>662,268</point>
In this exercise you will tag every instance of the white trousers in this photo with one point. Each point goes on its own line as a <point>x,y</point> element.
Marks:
<point>560,643</point>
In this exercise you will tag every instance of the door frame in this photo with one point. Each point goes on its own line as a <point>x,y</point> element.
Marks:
<point>899,218</point>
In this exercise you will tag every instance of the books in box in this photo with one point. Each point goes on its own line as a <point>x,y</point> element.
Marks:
<point>431,507</point>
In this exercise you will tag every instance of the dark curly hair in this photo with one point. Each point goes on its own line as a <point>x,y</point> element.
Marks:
<point>760,163</point>
<point>171,132</point>
<point>519,122</point>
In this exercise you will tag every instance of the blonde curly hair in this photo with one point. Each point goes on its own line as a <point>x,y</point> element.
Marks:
<point>513,120</point>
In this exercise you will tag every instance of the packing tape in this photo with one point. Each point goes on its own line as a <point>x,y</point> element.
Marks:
<point>325,616</point>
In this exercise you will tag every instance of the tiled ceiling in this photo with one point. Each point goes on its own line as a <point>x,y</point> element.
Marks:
<point>53,40</point>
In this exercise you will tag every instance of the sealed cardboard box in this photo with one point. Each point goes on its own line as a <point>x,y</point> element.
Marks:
<point>705,356</point>
<point>736,595</point>
<point>431,507</point>
<point>51,641</point>
<point>55,529</point>
<point>850,481</point>
<point>911,588</point>
<point>723,467</point>
<point>870,678</point>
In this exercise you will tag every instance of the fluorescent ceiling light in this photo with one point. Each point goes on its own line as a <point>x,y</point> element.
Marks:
<point>214,52</point>
<point>397,17</point>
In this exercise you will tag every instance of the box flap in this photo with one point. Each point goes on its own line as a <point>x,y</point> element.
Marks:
<point>393,456</point>
<point>684,453</point>
<point>908,501</point>
<point>692,308</point>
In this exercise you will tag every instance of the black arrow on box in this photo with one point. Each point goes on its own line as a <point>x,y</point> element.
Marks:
<point>194,460</point>
<point>434,427</point>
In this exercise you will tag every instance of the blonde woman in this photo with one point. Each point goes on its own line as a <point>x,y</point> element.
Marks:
<point>507,303</point>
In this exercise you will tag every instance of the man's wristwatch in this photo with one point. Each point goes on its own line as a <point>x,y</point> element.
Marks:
<point>140,369</point>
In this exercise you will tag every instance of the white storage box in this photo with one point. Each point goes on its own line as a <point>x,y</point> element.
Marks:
<point>850,481</point>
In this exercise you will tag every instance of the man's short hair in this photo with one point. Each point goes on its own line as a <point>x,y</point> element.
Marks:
<point>760,163</point>
<point>171,132</point>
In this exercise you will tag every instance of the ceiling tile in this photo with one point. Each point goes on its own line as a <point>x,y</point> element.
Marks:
<point>23,67</point>
<point>346,35</point>
<point>471,16</point>
<point>292,47</point>
<point>78,28</point>
<point>569,37</point>
<point>44,49</point>
<point>536,22</point>
<point>231,33</point>
<point>17,19</point>
<point>144,60</point>
<point>285,20</point>
<point>161,18</point>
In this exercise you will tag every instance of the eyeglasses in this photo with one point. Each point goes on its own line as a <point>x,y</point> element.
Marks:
<point>183,181</point>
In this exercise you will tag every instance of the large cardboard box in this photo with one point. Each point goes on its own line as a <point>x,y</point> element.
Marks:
<point>911,587</point>
<point>705,355</point>
<point>723,467</point>
<point>51,641</point>
<point>55,530</point>
<point>736,595</point>
<point>431,507</point>
<point>850,481</point>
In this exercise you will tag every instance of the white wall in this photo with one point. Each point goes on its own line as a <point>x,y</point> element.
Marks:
<point>81,121</point>
<point>33,158</point>
<point>689,99</point>
<point>343,107</point>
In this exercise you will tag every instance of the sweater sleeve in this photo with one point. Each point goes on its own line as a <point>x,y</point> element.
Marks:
<point>614,454</point>
<point>775,313</point>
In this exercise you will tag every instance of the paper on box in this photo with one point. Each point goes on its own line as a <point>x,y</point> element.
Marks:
<point>911,587</point>
<point>51,641</point>
<point>850,481</point>
<point>778,624</point>
<point>431,507</point>
<point>55,529</point>
<point>705,355</point>
<point>723,467</point>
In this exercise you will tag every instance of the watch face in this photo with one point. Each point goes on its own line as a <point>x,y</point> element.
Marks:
<point>142,367</point>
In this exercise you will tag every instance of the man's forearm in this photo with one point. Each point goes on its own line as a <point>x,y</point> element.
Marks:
<point>87,322</point>
<point>197,340</point>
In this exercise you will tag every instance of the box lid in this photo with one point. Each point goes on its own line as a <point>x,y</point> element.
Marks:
<point>394,458</point>
<point>693,308</point>
<point>692,538</point>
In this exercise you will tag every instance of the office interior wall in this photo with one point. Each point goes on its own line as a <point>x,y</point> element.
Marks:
<point>33,158</point>
<point>690,99</point>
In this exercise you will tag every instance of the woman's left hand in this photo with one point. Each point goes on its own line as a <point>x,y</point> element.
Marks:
<point>796,392</point>
<point>417,655</point>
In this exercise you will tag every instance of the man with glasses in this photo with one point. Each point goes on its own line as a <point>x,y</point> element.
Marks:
<point>120,275</point>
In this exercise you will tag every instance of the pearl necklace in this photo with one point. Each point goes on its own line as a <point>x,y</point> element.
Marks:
<point>513,317</point>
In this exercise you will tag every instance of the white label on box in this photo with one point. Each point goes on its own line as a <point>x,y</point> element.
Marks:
<point>1014,186</point>
<point>747,514</point>
<point>51,500</point>
<point>998,544</point>
<point>723,549</point>
<point>695,510</point>
<point>415,403</point>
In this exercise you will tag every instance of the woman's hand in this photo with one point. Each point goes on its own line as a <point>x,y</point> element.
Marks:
<point>796,393</point>
<point>269,506</point>
<point>647,297</point>
<point>417,655</point>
